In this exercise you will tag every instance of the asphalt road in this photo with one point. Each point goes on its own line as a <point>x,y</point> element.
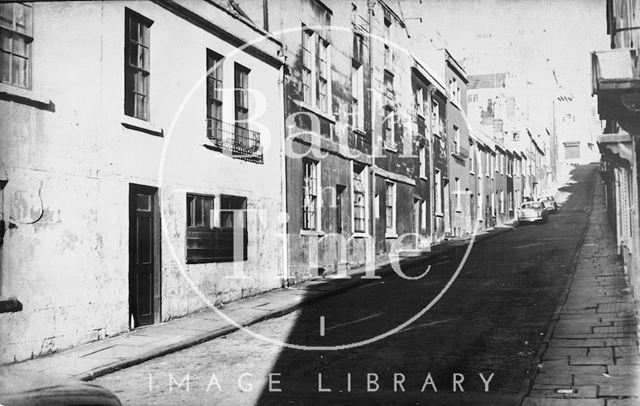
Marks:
<point>475,346</point>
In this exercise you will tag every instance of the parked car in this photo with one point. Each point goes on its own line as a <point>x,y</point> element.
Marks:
<point>531,212</point>
<point>550,204</point>
<point>24,389</point>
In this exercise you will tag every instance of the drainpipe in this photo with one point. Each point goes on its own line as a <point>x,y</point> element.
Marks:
<point>3,183</point>
<point>283,169</point>
<point>372,199</point>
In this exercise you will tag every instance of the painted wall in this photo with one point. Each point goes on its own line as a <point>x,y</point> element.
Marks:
<point>69,172</point>
<point>458,162</point>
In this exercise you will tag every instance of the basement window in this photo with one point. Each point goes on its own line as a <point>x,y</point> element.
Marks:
<point>216,232</point>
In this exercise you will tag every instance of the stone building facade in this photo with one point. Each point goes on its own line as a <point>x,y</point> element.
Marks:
<point>138,184</point>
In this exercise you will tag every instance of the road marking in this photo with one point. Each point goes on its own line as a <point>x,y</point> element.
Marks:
<point>321,326</point>
<point>354,321</point>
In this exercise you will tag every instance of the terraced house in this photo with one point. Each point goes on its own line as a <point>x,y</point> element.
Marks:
<point>146,178</point>
<point>615,82</point>
<point>461,198</point>
<point>201,152</point>
<point>351,157</point>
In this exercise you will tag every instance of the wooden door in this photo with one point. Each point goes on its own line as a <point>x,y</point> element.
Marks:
<point>144,258</point>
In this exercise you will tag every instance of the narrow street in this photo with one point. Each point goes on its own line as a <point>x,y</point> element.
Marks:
<point>491,321</point>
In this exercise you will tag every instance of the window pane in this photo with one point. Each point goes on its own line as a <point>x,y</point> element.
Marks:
<point>5,67</point>
<point>207,206</point>
<point>226,219</point>
<point>133,30</point>
<point>143,54</point>
<point>306,58</point>
<point>6,15</point>
<point>144,35</point>
<point>19,71</point>
<point>306,85</point>
<point>199,220</point>
<point>140,83</point>
<point>23,18</point>
<point>245,98</point>
<point>19,46</point>
<point>215,111</point>
<point>140,106</point>
<point>133,54</point>
<point>5,40</point>
<point>143,202</point>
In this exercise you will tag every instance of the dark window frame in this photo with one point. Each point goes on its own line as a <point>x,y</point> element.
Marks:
<point>214,97</point>
<point>310,209</point>
<point>137,76</point>
<point>390,206</point>
<point>14,32</point>
<point>208,244</point>
<point>359,205</point>
<point>240,98</point>
<point>306,65</point>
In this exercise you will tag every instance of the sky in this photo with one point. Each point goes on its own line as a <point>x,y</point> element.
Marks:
<point>533,38</point>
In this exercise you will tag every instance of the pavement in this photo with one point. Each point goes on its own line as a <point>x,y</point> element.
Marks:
<point>89,361</point>
<point>591,356</point>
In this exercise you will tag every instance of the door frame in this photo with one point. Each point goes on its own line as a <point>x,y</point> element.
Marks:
<point>157,254</point>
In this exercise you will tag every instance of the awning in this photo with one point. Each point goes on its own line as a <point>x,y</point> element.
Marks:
<point>616,81</point>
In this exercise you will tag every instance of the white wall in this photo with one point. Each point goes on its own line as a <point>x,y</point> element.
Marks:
<point>70,268</point>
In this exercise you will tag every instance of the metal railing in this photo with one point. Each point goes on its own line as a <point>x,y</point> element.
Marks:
<point>235,140</point>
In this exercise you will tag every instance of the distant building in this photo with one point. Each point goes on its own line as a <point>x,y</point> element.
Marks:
<point>461,200</point>
<point>505,109</point>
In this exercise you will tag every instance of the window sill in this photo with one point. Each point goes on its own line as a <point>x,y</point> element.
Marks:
<point>455,103</point>
<point>359,131</point>
<point>10,305</point>
<point>390,234</point>
<point>191,261</point>
<point>25,96</point>
<point>311,233</point>
<point>316,111</point>
<point>424,177</point>
<point>437,135</point>
<point>439,214</point>
<point>390,148</point>
<point>360,234</point>
<point>457,156</point>
<point>136,124</point>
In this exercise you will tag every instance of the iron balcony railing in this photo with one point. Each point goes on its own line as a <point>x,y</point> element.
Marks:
<point>235,140</point>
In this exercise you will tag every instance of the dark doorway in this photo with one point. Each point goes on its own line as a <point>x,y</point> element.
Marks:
<point>339,193</point>
<point>144,255</point>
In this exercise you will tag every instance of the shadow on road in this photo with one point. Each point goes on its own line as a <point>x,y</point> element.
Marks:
<point>474,347</point>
